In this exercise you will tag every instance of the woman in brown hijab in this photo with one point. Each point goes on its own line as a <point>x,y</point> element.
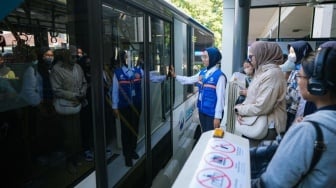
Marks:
<point>266,93</point>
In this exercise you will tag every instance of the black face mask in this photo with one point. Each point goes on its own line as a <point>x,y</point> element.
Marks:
<point>2,64</point>
<point>48,60</point>
<point>74,59</point>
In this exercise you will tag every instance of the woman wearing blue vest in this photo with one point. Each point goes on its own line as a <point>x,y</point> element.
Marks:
<point>126,102</point>
<point>211,83</point>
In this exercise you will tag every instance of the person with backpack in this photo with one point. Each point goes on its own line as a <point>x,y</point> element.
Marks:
<point>302,160</point>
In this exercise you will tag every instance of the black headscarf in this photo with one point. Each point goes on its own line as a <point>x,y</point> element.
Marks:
<point>301,49</point>
<point>331,44</point>
<point>43,69</point>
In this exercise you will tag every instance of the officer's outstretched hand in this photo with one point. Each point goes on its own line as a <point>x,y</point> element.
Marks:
<point>171,71</point>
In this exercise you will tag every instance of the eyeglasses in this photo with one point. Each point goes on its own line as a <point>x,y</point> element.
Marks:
<point>49,55</point>
<point>250,57</point>
<point>300,76</point>
<point>204,57</point>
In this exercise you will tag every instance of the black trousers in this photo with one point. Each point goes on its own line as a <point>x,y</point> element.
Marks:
<point>129,121</point>
<point>206,122</point>
<point>72,138</point>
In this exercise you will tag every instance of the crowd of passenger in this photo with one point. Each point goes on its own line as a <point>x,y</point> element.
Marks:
<point>55,94</point>
<point>295,95</point>
<point>50,89</point>
<point>291,100</point>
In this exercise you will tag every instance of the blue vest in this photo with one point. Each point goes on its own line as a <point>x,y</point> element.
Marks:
<point>207,97</point>
<point>129,87</point>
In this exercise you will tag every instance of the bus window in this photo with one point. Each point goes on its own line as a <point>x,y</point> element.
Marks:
<point>160,59</point>
<point>37,149</point>
<point>124,33</point>
<point>123,46</point>
<point>181,60</point>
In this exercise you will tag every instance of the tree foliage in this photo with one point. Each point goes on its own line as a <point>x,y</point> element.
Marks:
<point>207,12</point>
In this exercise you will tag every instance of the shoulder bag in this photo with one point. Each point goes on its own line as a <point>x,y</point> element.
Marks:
<point>254,127</point>
<point>66,107</point>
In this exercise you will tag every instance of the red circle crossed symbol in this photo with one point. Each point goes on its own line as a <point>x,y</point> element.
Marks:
<point>211,178</point>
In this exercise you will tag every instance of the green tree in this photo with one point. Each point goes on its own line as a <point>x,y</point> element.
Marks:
<point>207,12</point>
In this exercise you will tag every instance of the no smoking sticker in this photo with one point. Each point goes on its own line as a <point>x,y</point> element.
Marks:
<point>213,178</point>
<point>219,160</point>
<point>223,146</point>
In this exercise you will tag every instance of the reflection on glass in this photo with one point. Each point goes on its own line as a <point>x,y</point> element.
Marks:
<point>31,133</point>
<point>181,58</point>
<point>160,55</point>
<point>125,65</point>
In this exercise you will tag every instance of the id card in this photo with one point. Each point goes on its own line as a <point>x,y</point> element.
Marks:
<point>200,96</point>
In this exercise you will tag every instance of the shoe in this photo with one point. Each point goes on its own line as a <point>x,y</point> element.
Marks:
<point>56,158</point>
<point>108,153</point>
<point>88,154</point>
<point>57,155</point>
<point>135,155</point>
<point>77,163</point>
<point>42,160</point>
<point>71,168</point>
<point>128,162</point>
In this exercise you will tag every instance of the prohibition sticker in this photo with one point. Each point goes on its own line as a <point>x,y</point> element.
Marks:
<point>217,159</point>
<point>213,178</point>
<point>223,146</point>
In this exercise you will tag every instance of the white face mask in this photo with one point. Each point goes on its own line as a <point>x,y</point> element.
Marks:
<point>34,62</point>
<point>292,58</point>
<point>248,71</point>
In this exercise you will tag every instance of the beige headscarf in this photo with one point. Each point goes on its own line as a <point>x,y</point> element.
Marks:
<point>266,53</point>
